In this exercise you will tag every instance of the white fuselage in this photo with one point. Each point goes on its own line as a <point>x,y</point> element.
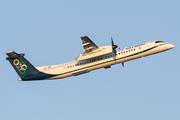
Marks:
<point>105,61</point>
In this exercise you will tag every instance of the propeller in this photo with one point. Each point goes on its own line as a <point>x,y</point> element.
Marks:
<point>114,49</point>
<point>113,46</point>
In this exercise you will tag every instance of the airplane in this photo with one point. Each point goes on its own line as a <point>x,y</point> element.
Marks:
<point>92,58</point>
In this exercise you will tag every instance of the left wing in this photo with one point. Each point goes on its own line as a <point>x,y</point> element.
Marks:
<point>88,44</point>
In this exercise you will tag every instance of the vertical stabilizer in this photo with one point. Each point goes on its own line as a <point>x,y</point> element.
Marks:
<point>23,67</point>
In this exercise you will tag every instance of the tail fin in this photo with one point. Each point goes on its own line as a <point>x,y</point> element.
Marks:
<point>23,67</point>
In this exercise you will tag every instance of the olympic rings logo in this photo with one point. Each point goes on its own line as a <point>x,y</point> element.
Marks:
<point>21,66</point>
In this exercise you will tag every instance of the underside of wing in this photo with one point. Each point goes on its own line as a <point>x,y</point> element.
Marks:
<point>88,44</point>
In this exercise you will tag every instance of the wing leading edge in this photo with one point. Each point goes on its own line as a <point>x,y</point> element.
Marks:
<point>88,44</point>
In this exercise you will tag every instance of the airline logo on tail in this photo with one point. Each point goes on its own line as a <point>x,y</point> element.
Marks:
<point>21,66</point>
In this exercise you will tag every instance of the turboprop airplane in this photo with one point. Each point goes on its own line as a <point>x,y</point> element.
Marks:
<point>94,57</point>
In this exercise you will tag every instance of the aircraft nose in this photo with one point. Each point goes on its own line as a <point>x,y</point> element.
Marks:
<point>171,46</point>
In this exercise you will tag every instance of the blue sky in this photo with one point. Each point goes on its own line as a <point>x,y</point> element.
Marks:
<point>48,32</point>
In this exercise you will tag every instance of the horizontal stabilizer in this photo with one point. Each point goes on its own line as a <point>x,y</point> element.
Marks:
<point>13,54</point>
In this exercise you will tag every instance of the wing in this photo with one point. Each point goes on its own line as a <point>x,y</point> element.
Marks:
<point>88,44</point>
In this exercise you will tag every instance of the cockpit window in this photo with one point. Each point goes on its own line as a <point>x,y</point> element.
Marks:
<point>159,42</point>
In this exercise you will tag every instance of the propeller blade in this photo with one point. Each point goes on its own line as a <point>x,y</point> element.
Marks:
<point>113,46</point>
<point>123,64</point>
<point>112,41</point>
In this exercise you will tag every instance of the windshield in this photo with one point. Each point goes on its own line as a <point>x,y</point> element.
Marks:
<point>159,41</point>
